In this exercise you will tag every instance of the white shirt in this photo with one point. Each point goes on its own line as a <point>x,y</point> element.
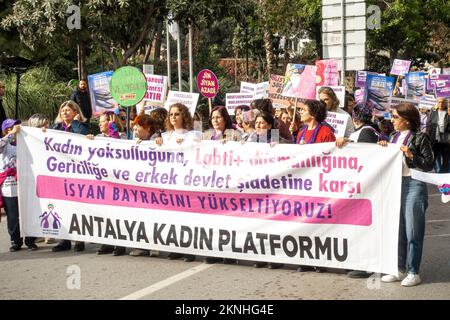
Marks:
<point>441,118</point>
<point>187,136</point>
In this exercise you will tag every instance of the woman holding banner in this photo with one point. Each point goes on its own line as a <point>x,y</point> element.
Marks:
<point>417,154</point>
<point>265,105</point>
<point>247,120</point>
<point>313,114</point>
<point>327,96</point>
<point>364,132</point>
<point>221,126</point>
<point>179,128</point>
<point>70,119</point>
<point>110,127</point>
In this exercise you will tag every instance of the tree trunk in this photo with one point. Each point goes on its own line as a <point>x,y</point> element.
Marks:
<point>149,47</point>
<point>82,72</point>
<point>318,38</point>
<point>158,42</point>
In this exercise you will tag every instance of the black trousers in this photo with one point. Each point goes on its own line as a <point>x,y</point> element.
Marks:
<point>11,205</point>
<point>441,157</point>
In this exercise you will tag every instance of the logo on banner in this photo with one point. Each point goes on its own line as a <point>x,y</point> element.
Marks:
<point>445,189</point>
<point>50,221</point>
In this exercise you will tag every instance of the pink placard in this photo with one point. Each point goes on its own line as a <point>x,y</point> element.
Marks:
<point>207,83</point>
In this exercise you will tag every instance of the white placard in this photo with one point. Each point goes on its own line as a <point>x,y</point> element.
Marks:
<point>234,100</point>
<point>188,99</point>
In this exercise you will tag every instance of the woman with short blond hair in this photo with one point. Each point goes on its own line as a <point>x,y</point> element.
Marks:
<point>70,118</point>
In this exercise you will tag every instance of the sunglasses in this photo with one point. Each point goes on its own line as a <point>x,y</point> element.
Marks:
<point>394,116</point>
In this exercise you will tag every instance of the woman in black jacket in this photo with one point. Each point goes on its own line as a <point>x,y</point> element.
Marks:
<point>417,154</point>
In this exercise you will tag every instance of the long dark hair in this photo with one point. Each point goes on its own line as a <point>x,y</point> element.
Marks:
<point>409,112</point>
<point>268,117</point>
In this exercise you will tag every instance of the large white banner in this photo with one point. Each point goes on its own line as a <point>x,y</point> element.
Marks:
<point>311,205</point>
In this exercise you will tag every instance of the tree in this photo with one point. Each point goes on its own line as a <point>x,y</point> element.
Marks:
<point>117,27</point>
<point>402,30</point>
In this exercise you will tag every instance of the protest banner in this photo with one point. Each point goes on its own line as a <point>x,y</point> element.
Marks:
<point>434,71</point>
<point>359,95</point>
<point>259,90</point>
<point>99,92</point>
<point>427,101</point>
<point>156,89</point>
<point>207,85</point>
<point>415,85</point>
<point>262,90</point>
<point>234,100</point>
<point>443,80</point>
<point>319,205</point>
<point>360,79</point>
<point>247,87</point>
<point>338,121</point>
<point>441,180</point>
<point>128,86</point>
<point>300,81</point>
<point>276,84</point>
<point>327,73</point>
<point>188,99</point>
<point>440,85</point>
<point>378,91</point>
<point>400,67</point>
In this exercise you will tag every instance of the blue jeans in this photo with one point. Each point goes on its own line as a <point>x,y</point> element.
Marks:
<point>414,203</point>
<point>441,157</point>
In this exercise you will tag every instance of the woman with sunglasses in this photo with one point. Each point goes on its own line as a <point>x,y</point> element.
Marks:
<point>417,154</point>
<point>179,128</point>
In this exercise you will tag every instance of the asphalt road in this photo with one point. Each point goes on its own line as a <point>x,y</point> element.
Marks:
<point>43,274</point>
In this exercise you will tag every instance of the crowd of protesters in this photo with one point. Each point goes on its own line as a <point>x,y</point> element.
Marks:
<point>423,138</point>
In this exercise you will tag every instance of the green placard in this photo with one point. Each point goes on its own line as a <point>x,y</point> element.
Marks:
<point>128,86</point>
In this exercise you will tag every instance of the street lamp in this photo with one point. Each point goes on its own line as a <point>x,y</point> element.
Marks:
<point>17,65</point>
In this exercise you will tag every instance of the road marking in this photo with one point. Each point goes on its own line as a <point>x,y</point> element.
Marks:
<point>435,195</point>
<point>432,221</point>
<point>438,235</point>
<point>167,282</point>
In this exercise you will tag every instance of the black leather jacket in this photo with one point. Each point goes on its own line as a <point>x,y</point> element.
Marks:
<point>432,124</point>
<point>420,145</point>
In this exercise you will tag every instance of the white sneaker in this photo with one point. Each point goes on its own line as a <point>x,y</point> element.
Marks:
<point>154,253</point>
<point>392,278</point>
<point>411,280</point>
